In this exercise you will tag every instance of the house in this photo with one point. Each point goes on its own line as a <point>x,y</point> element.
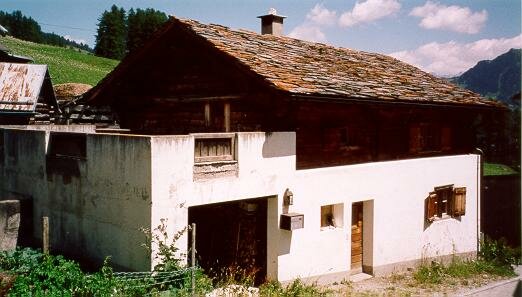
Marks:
<point>7,57</point>
<point>293,159</point>
<point>26,94</point>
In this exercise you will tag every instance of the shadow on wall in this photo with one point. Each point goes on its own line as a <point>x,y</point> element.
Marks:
<point>278,145</point>
<point>285,241</point>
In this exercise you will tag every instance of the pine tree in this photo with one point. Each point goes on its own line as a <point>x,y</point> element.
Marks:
<point>141,25</point>
<point>111,34</point>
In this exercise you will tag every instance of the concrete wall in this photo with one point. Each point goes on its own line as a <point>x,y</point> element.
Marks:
<point>128,182</point>
<point>95,205</point>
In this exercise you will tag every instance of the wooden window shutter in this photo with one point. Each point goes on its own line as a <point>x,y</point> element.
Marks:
<point>430,207</point>
<point>415,138</point>
<point>445,138</point>
<point>459,202</point>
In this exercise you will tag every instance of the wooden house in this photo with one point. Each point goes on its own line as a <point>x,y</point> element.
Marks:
<point>346,106</point>
<point>293,159</point>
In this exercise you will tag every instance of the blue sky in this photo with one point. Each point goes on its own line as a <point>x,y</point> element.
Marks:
<point>443,37</point>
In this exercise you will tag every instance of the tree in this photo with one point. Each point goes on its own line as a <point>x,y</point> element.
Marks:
<point>111,34</point>
<point>141,24</point>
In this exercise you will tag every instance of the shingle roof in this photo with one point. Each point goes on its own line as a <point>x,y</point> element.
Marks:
<point>307,68</point>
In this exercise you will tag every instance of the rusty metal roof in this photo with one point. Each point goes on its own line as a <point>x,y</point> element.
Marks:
<point>21,86</point>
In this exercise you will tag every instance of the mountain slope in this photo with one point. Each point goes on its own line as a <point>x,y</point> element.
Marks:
<point>65,64</point>
<point>498,78</point>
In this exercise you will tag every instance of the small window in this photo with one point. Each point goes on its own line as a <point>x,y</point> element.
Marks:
<point>429,137</point>
<point>445,201</point>
<point>332,216</point>
<point>214,147</point>
<point>67,145</point>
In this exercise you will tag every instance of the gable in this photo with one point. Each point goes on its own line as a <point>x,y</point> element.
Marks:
<point>180,67</point>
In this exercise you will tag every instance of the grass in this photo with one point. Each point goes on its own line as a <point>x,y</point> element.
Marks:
<point>458,271</point>
<point>491,169</point>
<point>65,64</point>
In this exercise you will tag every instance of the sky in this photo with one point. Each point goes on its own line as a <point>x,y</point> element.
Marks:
<point>442,37</point>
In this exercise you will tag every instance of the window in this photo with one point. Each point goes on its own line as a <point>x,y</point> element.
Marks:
<point>67,145</point>
<point>426,137</point>
<point>214,147</point>
<point>445,201</point>
<point>332,216</point>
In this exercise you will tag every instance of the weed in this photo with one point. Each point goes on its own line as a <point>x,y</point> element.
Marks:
<point>168,255</point>
<point>294,289</point>
<point>498,252</point>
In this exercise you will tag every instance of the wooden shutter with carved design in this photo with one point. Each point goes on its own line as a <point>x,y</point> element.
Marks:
<point>459,202</point>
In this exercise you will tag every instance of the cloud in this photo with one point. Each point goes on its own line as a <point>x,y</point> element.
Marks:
<point>368,11</point>
<point>453,18</point>
<point>311,28</point>
<point>322,16</point>
<point>452,58</point>
<point>308,32</point>
<point>70,38</point>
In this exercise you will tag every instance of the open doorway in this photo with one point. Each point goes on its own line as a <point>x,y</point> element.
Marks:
<point>231,238</point>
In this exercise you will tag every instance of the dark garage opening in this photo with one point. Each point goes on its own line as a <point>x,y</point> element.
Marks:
<point>231,238</point>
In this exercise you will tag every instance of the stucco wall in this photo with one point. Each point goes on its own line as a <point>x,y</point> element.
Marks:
<point>393,192</point>
<point>396,191</point>
<point>95,205</point>
<point>128,182</point>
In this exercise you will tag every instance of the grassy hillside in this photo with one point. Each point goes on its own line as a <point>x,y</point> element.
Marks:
<point>65,65</point>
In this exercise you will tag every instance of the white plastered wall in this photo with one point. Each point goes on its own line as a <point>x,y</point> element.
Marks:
<point>93,213</point>
<point>394,193</point>
<point>128,182</point>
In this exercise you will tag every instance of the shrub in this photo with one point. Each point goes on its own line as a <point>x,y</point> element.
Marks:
<point>498,252</point>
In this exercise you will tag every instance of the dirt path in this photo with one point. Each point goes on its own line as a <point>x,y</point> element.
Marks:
<point>405,285</point>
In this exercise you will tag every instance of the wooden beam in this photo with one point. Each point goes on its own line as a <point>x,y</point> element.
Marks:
<point>197,99</point>
<point>226,112</point>
<point>207,114</point>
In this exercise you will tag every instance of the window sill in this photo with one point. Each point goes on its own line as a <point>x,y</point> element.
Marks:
<point>442,219</point>
<point>330,228</point>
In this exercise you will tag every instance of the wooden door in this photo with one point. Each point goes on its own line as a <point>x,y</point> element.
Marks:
<point>357,232</point>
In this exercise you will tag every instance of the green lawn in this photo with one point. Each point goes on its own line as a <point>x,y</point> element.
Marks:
<point>498,169</point>
<point>65,64</point>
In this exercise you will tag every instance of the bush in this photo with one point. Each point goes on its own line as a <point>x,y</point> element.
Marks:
<point>499,253</point>
<point>40,274</point>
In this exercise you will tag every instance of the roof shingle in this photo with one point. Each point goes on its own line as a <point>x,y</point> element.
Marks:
<point>307,68</point>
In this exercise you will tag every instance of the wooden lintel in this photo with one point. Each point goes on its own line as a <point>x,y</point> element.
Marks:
<point>197,99</point>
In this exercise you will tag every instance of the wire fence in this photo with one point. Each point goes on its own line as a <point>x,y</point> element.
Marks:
<point>151,283</point>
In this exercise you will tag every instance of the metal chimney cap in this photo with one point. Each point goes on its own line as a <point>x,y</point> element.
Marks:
<point>273,13</point>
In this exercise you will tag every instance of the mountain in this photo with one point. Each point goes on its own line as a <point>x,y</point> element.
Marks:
<point>498,78</point>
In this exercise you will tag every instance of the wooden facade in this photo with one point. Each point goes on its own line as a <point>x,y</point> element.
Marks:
<point>184,81</point>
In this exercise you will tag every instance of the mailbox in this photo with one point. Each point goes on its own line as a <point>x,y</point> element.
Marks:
<point>291,221</point>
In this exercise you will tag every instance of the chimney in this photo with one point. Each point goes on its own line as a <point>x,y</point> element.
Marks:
<point>272,23</point>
